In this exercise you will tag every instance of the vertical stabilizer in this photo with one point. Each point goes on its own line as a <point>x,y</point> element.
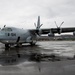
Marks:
<point>38,25</point>
<point>38,22</point>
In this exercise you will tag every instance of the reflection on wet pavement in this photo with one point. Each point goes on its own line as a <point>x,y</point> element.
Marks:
<point>17,55</point>
<point>38,53</point>
<point>53,57</point>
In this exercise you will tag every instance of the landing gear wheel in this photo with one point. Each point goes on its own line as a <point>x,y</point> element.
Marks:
<point>33,42</point>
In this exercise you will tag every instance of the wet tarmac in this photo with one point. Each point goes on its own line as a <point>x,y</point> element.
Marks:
<point>45,58</point>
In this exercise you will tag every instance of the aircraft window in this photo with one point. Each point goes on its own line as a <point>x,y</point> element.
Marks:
<point>6,29</point>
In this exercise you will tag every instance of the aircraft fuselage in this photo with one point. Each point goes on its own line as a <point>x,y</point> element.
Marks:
<point>11,35</point>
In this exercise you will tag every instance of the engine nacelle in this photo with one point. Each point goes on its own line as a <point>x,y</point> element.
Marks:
<point>74,33</point>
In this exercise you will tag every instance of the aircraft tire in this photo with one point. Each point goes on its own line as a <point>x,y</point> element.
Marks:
<point>33,42</point>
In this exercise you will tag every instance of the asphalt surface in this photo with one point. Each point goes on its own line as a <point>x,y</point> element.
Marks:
<point>45,58</point>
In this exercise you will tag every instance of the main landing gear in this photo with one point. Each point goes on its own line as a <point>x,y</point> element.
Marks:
<point>9,45</point>
<point>33,42</point>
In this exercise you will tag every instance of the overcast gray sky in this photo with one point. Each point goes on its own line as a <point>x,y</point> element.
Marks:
<point>23,13</point>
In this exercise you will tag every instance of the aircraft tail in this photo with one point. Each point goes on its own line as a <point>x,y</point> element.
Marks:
<point>38,25</point>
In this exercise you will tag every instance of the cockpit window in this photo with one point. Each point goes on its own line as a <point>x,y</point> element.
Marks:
<point>6,29</point>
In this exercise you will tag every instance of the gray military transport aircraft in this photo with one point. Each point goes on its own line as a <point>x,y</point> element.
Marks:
<point>15,36</point>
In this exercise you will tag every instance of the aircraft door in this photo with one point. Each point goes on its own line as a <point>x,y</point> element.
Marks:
<point>18,39</point>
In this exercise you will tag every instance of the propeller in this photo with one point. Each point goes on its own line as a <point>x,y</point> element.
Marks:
<point>59,30</point>
<point>35,24</point>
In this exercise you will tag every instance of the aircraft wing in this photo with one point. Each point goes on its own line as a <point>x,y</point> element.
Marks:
<point>50,30</point>
<point>54,30</point>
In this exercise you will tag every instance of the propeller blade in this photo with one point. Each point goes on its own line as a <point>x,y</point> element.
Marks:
<point>35,24</point>
<point>61,24</point>
<point>40,25</point>
<point>56,24</point>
